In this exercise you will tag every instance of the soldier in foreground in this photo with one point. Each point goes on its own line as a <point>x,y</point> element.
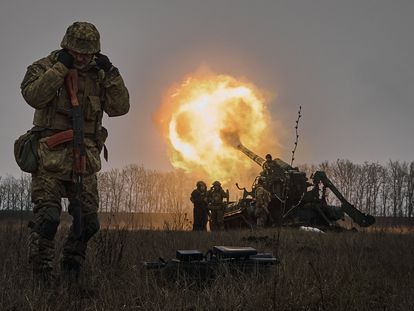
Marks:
<point>216,194</point>
<point>263,197</point>
<point>200,211</point>
<point>97,87</point>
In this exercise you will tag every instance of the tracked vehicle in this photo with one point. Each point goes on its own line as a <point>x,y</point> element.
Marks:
<point>296,201</point>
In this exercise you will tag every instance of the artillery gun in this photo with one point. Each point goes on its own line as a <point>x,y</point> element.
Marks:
<point>295,201</point>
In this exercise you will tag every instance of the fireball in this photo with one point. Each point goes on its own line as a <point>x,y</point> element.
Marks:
<point>205,117</point>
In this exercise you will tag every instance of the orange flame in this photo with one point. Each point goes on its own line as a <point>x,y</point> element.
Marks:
<point>203,120</point>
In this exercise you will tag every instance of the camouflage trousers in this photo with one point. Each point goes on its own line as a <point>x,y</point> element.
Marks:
<point>261,216</point>
<point>47,192</point>
<point>200,216</point>
<point>217,218</point>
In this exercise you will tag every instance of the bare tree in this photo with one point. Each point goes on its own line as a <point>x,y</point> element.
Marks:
<point>386,190</point>
<point>410,190</point>
<point>398,174</point>
<point>373,184</point>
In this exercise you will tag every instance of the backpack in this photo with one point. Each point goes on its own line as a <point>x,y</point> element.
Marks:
<point>25,151</point>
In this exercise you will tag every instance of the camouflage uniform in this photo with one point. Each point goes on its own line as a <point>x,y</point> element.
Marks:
<point>215,197</point>
<point>99,91</point>
<point>200,211</point>
<point>273,174</point>
<point>263,198</point>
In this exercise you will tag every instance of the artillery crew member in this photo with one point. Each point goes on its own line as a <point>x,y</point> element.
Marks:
<point>200,211</point>
<point>216,194</point>
<point>99,89</point>
<point>269,164</point>
<point>263,198</point>
<point>271,168</point>
<point>273,175</point>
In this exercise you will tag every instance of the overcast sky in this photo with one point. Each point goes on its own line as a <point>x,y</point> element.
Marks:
<point>348,63</point>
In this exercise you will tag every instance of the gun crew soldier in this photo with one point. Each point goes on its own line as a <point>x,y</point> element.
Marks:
<point>263,198</point>
<point>216,194</point>
<point>200,211</point>
<point>273,175</point>
<point>72,87</point>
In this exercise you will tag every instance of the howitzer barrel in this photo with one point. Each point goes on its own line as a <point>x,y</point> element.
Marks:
<point>259,160</point>
<point>283,164</point>
<point>256,158</point>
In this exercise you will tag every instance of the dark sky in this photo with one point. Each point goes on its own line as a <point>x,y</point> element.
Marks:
<point>348,63</point>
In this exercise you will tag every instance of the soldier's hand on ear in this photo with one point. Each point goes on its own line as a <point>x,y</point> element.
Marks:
<point>65,58</point>
<point>103,62</point>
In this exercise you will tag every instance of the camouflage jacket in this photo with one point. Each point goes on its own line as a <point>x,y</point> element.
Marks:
<point>199,198</point>
<point>263,197</point>
<point>272,170</point>
<point>216,196</point>
<point>43,89</point>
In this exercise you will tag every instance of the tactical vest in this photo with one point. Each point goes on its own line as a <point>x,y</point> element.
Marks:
<point>217,197</point>
<point>91,96</point>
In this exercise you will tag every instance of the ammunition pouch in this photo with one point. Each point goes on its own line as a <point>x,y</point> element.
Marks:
<point>25,151</point>
<point>50,148</point>
<point>58,159</point>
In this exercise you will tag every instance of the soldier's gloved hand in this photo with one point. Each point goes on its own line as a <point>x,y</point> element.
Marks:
<point>103,62</point>
<point>65,58</point>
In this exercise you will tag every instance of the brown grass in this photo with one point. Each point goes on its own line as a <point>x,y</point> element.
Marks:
<point>335,271</point>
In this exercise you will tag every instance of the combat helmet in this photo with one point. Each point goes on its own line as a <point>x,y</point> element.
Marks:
<point>216,183</point>
<point>82,37</point>
<point>201,183</point>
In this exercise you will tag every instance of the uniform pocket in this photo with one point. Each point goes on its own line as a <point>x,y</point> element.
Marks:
<point>92,108</point>
<point>56,160</point>
<point>62,102</point>
<point>93,158</point>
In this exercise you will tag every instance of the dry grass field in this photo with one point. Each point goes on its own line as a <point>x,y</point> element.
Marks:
<point>334,271</point>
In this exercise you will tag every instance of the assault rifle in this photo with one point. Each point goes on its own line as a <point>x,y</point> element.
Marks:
<point>194,265</point>
<point>79,152</point>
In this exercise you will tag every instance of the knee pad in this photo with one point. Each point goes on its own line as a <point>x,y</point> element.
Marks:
<point>90,225</point>
<point>50,219</point>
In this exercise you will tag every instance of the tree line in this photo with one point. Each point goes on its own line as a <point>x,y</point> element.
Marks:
<point>381,190</point>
